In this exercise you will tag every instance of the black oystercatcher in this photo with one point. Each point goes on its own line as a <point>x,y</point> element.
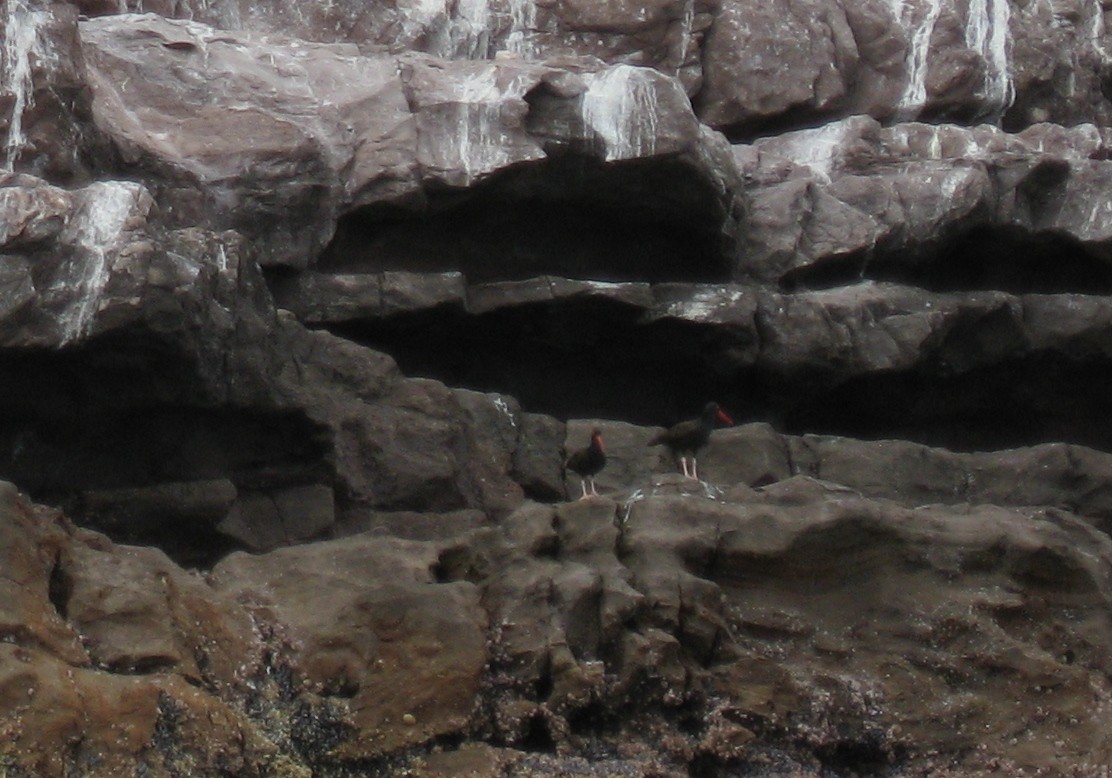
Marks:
<point>587,462</point>
<point>688,437</point>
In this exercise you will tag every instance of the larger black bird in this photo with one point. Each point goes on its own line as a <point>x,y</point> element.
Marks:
<point>587,462</point>
<point>688,437</point>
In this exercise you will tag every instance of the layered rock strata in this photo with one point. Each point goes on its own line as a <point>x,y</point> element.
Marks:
<point>301,310</point>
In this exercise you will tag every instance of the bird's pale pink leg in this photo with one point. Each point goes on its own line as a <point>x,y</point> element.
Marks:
<point>683,462</point>
<point>583,484</point>
<point>594,491</point>
<point>694,469</point>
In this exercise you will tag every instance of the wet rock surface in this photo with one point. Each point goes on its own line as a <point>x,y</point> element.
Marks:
<point>303,309</point>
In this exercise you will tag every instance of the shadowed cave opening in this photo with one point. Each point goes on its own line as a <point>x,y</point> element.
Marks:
<point>592,358</point>
<point>125,413</point>
<point>984,258</point>
<point>569,216</point>
<point>579,358</point>
<point>1043,398</point>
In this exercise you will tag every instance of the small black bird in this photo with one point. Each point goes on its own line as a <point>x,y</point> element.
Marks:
<point>688,437</point>
<point>587,462</point>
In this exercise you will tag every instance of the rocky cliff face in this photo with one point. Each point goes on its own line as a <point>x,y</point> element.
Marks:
<point>301,310</point>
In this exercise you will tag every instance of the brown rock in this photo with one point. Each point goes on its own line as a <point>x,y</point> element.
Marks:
<point>263,520</point>
<point>60,720</point>
<point>32,543</point>
<point>137,612</point>
<point>368,623</point>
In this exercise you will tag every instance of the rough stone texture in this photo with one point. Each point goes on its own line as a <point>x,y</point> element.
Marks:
<point>801,624</point>
<point>44,97</point>
<point>856,190</point>
<point>369,624</point>
<point>242,131</point>
<point>662,35</point>
<point>318,299</point>
<point>754,66</point>
<point>174,326</point>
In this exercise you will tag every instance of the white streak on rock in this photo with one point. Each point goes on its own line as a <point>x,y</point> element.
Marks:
<point>221,259</point>
<point>469,30</point>
<point>687,24</point>
<point>620,108</point>
<point>523,23</point>
<point>986,33</point>
<point>704,305</point>
<point>479,141</point>
<point>816,149</point>
<point>920,23</point>
<point>1097,30</point>
<point>94,232</point>
<point>504,407</point>
<point>21,42</point>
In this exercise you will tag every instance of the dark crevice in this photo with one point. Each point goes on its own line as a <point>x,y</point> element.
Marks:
<point>119,419</point>
<point>1044,398</point>
<point>60,588</point>
<point>537,737</point>
<point>147,665</point>
<point>574,359</point>
<point>830,272</point>
<point>569,216</point>
<point>594,719</point>
<point>1001,259</point>
<point>600,359</point>
<point>794,119</point>
<point>456,563</point>
<point>543,686</point>
<point>870,753</point>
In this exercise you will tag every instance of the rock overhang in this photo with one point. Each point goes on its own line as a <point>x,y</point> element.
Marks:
<point>436,125</point>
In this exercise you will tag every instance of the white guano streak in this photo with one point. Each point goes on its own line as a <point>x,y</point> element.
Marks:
<point>687,25</point>
<point>469,31</point>
<point>21,41</point>
<point>523,23</point>
<point>917,59</point>
<point>620,108</point>
<point>986,33</point>
<point>480,145</point>
<point>1096,30</point>
<point>422,17</point>
<point>818,149</point>
<point>94,232</point>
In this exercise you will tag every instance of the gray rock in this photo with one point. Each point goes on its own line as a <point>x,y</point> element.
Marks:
<point>409,525</point>
<point>264,520</point>
<point>216,155</point>
<point>887,195</point>
<point>142,508</point>
<point>538,464</point>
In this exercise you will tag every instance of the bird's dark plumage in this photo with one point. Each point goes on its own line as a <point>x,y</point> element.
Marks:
<point>688,437</point>
<point>588,462</point>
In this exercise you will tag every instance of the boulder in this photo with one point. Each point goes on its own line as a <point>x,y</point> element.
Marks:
<point>368,624</point>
